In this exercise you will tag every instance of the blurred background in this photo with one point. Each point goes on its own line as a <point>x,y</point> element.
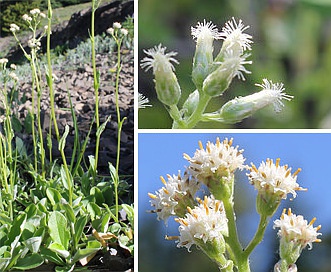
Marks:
<point>162,154</point>
<point>292,44</point>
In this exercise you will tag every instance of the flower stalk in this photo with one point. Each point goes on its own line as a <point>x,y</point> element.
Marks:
<point>96,84</point>
<point>118,33</point>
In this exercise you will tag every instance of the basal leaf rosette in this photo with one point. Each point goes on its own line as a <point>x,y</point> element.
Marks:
<point>215,165</point>
<point>273,183</point>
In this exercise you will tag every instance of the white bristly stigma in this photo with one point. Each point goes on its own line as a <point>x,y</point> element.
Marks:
<point>273,93</point>
<point>234,37</point>
<point>166,85</point>
<point>205,31</point>
<point>158,60</point>
<point>143,101</point>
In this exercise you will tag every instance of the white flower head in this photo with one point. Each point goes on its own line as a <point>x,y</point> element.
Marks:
<point>174,197</point>
<point>158,59</point>
<point>205,31</point>
<point>117,25</point>
<point>124,31</point>
<point>3,61</point>
<point>272,178</point>
<point>26,17</point>
<point>273,93</point>
<point>13,76</point>
<point>14,28</point>
<point>143,101</point>
<point>234,36</point>
<point>217,159</point>
<point>205,223</point>
<point>35,11</point>
<point>110,31</point>
<point>295,229</point>
<point>34,43</point>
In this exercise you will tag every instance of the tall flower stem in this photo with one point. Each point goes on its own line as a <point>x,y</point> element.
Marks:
<point>37,84</point>
<point>51,93</point>
<point>95,85</point>
<point>119,121</point>
<point>6,155</point>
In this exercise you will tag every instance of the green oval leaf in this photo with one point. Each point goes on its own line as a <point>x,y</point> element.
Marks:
<point>58,229</point>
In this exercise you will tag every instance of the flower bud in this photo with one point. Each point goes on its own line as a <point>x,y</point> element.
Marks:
<point>117,25</point>
<point>219,80</point>
<point>191,103</point>
<point>283,266</point>
<point>166,84</point>
<point>204,33</point>
<point>242,107</point>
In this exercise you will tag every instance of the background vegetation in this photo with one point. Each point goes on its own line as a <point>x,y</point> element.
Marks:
<point>11,11</point>
<point>292,44</point>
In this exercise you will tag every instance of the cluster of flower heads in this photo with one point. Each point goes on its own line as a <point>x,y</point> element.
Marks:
<point>213,75</point>
<point>32,20</point>
<point>117,28</point>
<point>205,221</point>
<point>35,13</point>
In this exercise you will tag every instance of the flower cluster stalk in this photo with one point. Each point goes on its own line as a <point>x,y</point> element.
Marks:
<point>95,4</point>
<point>52,103</point>
<point>118,34</point>
<point>7,160</point>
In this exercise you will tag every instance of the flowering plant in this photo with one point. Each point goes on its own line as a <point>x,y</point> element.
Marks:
<point>209,223</point>
<point>211,76</point>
